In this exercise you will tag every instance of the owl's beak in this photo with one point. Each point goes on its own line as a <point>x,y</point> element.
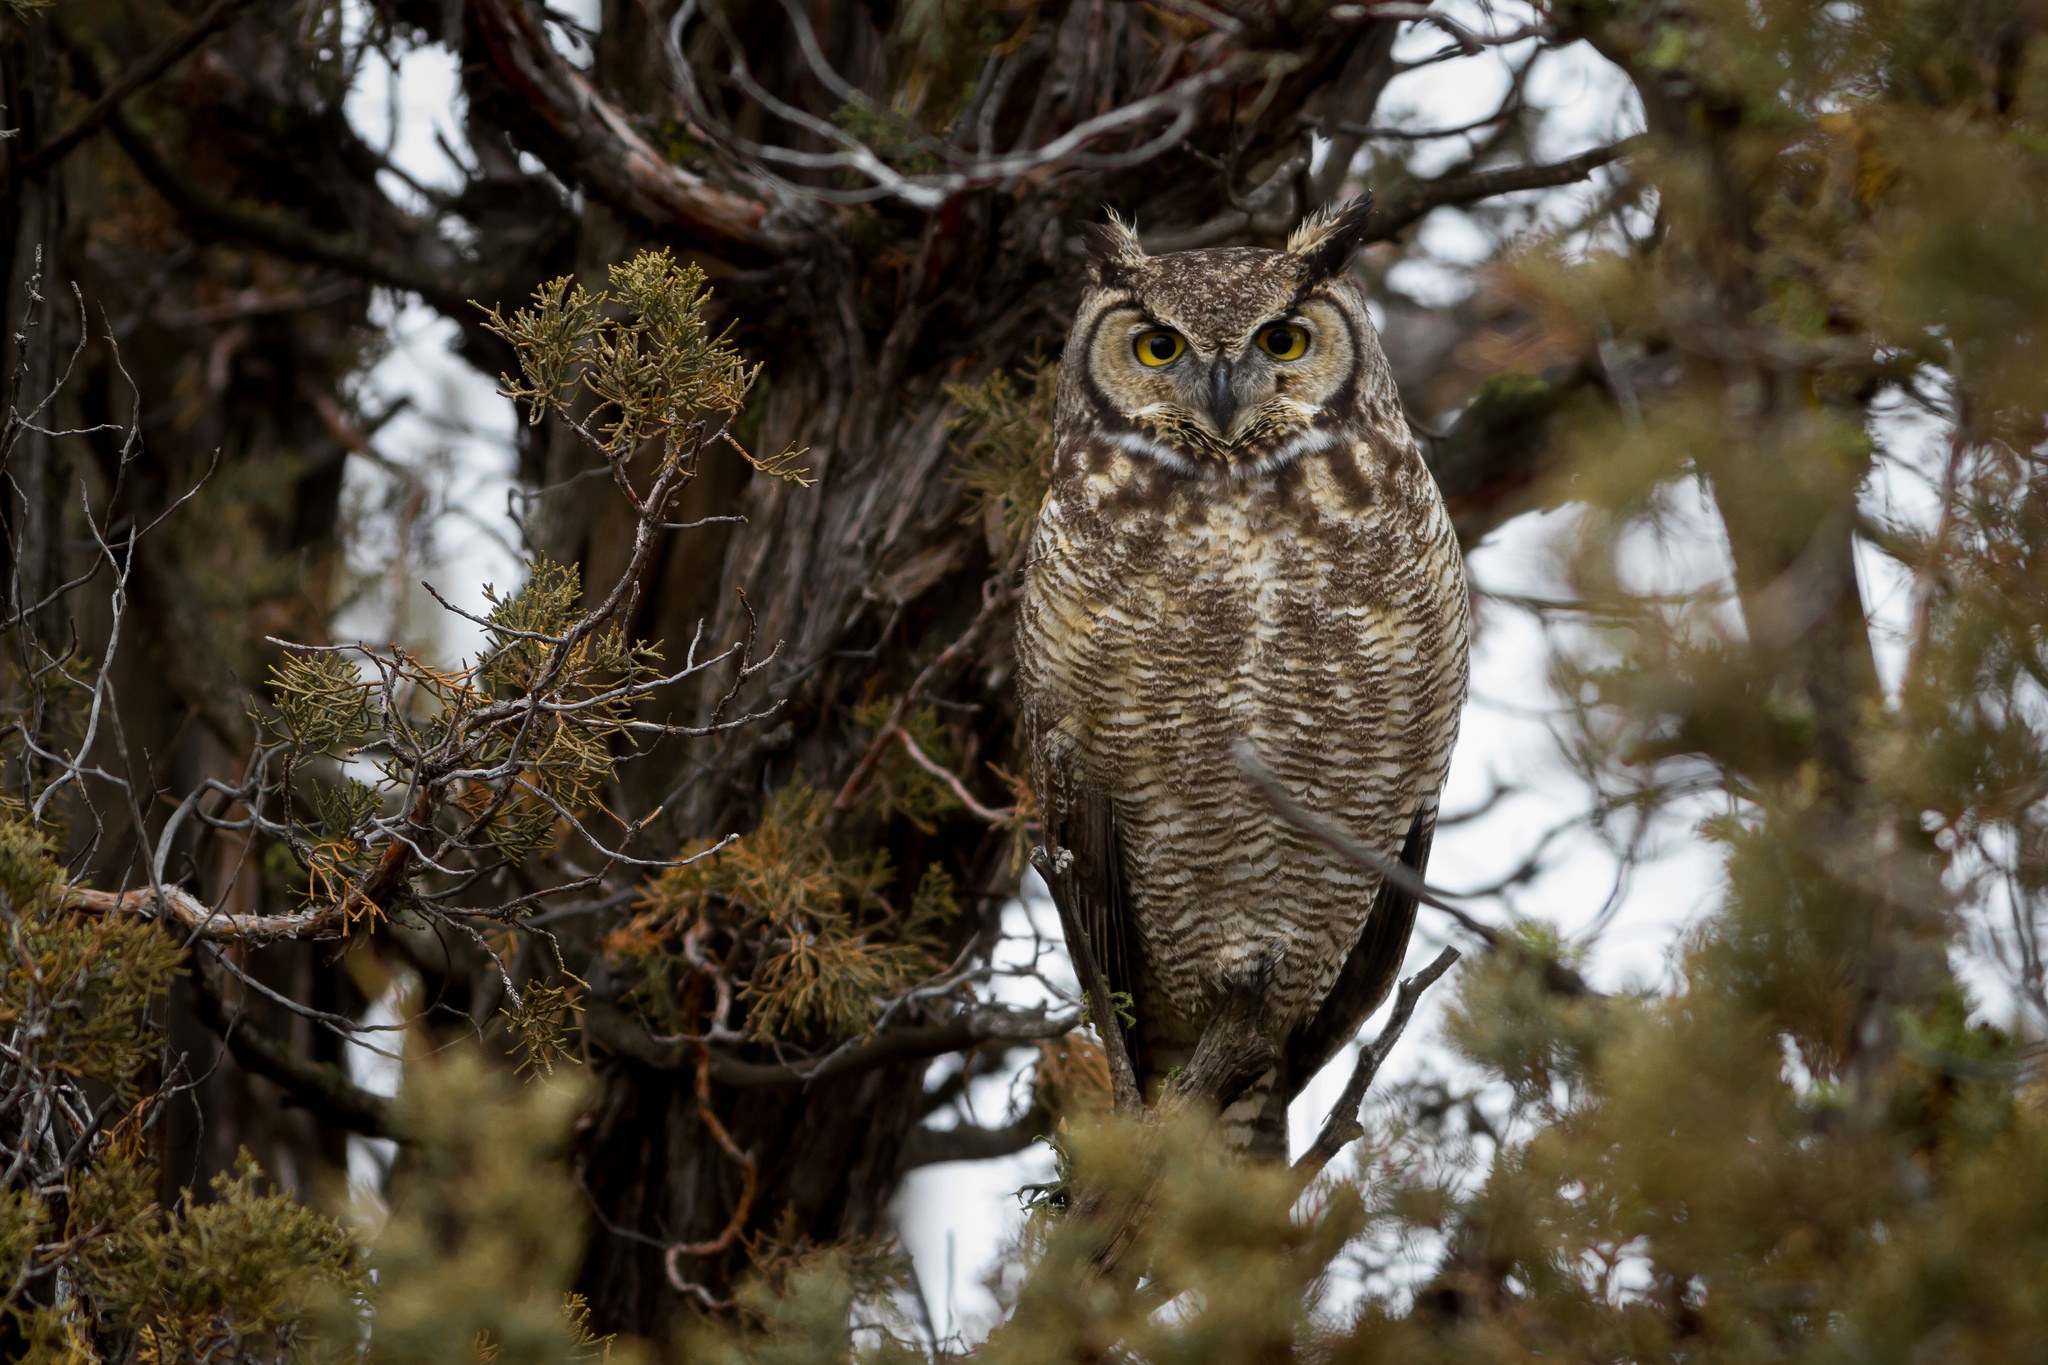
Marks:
<point>1222,398</point>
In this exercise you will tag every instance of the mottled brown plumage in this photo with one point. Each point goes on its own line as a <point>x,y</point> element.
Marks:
<point>1238,542</point>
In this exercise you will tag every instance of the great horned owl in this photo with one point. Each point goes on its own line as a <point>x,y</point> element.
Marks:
<point>1240,541</point>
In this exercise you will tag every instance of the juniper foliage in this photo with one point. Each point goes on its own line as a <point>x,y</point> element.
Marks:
<point>391,788</point>
<point>473,1259</point>
<point>1004,452</point>
<point>807,933</point>
<point>481,767</point>
<point>92,1265</point>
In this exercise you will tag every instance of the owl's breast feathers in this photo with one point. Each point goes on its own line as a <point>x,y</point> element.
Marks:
<point>1318,611</point>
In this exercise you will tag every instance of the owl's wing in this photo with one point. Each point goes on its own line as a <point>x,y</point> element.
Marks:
<point>1369,972</point>
<point>1086,826</point>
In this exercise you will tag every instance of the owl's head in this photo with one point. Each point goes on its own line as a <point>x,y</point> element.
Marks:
<point>1232,361</point>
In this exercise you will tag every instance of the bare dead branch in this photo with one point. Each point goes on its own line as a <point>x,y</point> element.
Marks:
<point>1557,976</point>
<point>1345,845</point>
<point>320,1087</point>
<point>1343,1126</point>
<point>1404,204</point>
<point>953,783</point>
<point>184,910</point>
<point>1375,133</point>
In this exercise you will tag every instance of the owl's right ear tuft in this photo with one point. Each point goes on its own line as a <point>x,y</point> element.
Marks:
<point>1326,239</point>
<point>1112,249</point>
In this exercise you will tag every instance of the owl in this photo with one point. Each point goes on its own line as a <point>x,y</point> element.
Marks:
<point>1240,541</point>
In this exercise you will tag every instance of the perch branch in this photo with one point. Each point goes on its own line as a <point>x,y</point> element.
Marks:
<point>1234,1050</point>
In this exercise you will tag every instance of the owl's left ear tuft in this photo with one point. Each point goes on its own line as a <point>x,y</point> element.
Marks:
<point>1112,249</point>
<point>1327,238</point>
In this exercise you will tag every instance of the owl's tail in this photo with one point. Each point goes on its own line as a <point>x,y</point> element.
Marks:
<point>1255,1123</point>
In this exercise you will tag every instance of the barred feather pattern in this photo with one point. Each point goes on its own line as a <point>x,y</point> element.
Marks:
<point>1318,609</point>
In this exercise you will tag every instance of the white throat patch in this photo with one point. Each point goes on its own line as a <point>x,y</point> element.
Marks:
<point>1153,449</point>
<point>1301,443</point>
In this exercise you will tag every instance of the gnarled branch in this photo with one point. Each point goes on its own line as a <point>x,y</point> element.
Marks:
<point>279,232</point>
<point>166,55</point>
<point>587,141</point>
<point>180,908</point>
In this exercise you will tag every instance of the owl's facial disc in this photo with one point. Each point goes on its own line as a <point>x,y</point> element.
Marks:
<point>1234,400</point>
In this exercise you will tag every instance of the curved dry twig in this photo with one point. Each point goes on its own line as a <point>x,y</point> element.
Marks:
<point>1343,1126</point>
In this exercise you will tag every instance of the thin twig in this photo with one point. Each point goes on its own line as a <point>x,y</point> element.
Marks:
<point>953,783</point>
<point>1345,845</point>
<point>995,599</point>
<point>1343,1126</point>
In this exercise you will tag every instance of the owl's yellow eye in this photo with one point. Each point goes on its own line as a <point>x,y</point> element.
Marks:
<point>1158,347</point>
<point>1284,342</point>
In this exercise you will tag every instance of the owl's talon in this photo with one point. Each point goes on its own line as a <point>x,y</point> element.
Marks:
<point>1050,863</point>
